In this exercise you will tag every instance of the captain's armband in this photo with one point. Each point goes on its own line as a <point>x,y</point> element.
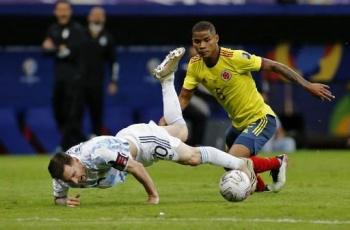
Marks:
<point>120,162</point>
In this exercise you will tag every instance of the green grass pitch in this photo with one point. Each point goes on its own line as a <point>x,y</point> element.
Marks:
<point>316,196</point>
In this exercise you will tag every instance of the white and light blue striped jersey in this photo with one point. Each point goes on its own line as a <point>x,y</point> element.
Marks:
<point>105,159</point>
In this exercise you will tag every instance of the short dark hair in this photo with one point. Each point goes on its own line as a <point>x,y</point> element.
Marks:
<point>204,26</point>
<point>62,1</point>
<point>57,163</point>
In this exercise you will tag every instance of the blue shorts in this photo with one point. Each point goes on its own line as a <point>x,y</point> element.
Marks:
<point>254,136</point>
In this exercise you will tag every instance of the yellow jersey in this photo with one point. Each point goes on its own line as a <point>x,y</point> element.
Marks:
<point>231,83</point>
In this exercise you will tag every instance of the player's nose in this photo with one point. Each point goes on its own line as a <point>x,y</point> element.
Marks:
<point>75,180</point>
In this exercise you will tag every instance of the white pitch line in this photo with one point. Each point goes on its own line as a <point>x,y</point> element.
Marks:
<point>165,219</point>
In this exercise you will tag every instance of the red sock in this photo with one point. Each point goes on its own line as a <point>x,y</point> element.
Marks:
<point>263,164</point>
<point>260,184</point>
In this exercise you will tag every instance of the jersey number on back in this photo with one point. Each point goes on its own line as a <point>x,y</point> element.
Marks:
<point>160,152</point>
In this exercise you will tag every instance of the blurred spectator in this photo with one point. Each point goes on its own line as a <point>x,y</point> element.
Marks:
<point>97,51</point>
<point>280,142</point>
<point>63,41</point>
<point>198,111</point>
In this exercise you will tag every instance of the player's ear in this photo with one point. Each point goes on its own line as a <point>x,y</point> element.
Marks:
<point>217,38</point>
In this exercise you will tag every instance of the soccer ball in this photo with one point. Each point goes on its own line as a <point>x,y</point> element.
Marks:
<point>235,186</point>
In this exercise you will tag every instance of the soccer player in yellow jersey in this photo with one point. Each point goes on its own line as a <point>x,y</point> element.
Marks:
<point>227,75</point>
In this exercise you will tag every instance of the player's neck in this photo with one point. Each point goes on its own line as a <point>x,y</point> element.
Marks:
<point>212,60</point>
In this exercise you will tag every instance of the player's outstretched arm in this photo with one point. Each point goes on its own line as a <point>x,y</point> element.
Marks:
<point>61,195</point>
<point>316,89</point>
<point>140,173</point>
<point>185,97</point>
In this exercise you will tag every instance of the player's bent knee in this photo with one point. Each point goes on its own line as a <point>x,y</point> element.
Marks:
<point>184,134</point>
<point>181,132</point>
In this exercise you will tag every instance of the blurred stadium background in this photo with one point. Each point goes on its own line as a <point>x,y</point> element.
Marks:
<point>309,35</point>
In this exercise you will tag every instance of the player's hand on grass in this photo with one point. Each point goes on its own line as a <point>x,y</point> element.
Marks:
<point>153,199</point>
<point>73,201</point>
<point>69,201</point>
<point>321,91</point>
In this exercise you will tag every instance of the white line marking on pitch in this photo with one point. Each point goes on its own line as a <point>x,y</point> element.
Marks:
<point>165,219</point>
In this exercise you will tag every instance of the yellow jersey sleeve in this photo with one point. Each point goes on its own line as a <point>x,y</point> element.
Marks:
<point>191,80</point>
<point>246,62</point>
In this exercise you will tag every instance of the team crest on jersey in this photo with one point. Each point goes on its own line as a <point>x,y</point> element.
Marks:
<point>226,75</point>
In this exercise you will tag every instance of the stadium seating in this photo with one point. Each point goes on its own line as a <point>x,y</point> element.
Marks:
<point>41,122</point>
<point>10,135</point>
